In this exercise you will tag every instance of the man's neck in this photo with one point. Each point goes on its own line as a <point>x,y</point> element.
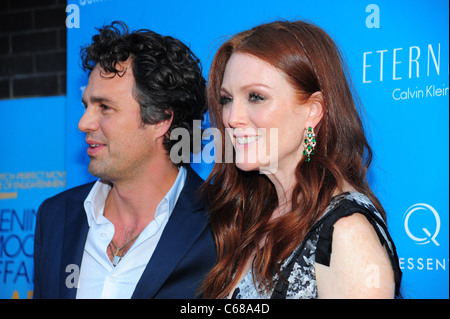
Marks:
<point>133,203</point>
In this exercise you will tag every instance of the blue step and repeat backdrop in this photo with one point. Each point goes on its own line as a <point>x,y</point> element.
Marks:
<point>398,53</point>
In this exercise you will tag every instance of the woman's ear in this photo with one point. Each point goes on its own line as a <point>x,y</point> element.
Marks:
<point>316,109</point>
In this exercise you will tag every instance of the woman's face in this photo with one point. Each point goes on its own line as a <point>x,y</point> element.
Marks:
<point>262,115</point>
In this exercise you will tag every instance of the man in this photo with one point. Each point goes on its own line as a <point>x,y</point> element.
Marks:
<point>140,231</point>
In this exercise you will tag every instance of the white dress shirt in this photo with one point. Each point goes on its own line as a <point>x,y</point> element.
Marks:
<point>98,277</point>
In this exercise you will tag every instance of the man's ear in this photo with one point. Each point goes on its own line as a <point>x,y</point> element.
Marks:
<point>316,109</point>
<point>161,128</point>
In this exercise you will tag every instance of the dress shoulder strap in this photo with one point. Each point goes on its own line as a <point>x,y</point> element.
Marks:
<point>343,208</point>
<point>346,208</point>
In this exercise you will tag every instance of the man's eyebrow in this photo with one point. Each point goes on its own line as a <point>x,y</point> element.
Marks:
<point>96,99</point>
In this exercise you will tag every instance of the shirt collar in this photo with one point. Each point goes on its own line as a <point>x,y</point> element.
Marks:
<point>172,195</point>
<point>95,201</point>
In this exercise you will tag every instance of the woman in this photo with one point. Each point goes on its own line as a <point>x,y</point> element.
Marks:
<point>301,222</point>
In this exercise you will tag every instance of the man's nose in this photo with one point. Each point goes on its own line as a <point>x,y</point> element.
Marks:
<point>89,121</point>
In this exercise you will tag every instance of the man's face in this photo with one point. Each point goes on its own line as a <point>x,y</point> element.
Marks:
<point>120,146</point>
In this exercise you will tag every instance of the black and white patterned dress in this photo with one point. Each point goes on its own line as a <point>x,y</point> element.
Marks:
<point>299,267</point>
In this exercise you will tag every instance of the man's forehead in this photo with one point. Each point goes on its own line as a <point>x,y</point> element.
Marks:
<point>103,86</point>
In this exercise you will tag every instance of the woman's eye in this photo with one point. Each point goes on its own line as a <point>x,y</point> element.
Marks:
<point>225,100</point>
<point>256,97</point>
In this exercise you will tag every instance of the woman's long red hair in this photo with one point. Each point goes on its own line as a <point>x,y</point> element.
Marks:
<point>242,202</point>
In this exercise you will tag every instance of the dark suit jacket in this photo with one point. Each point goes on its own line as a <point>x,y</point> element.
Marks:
<point>184,254</point>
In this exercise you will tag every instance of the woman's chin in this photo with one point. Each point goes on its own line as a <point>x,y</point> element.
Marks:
<point>247,167</point>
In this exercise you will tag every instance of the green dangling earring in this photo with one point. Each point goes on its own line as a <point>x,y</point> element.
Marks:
<point>309,144</point>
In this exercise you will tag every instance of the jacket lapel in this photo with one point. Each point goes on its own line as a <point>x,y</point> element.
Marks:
<point>181,231</point>
<point>75,233</point>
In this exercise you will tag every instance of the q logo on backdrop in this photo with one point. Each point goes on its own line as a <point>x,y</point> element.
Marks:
<point>421,214</point>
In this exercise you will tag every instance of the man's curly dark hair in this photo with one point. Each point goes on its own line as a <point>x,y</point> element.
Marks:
<point>168,76</point>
